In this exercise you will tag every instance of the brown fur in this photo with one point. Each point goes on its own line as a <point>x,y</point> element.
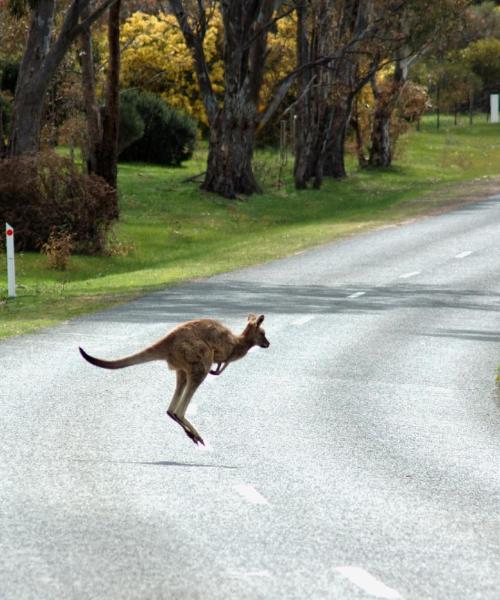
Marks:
<point>190,349</point>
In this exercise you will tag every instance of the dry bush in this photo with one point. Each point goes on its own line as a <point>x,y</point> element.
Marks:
<point>58,249</point>
<point>44,191</point>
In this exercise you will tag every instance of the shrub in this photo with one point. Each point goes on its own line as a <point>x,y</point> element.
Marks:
<point>8,76</point>
<point>58,249</point>
<point>45,192</point>
<point>131,124</point>
<point>169,136</point>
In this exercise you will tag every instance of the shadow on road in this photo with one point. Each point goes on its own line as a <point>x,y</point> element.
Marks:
<point>159,463</point>
<point>237,298</point>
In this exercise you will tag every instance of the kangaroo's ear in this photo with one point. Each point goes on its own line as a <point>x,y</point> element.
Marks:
<point>252,317</point>
<point>259,320</point>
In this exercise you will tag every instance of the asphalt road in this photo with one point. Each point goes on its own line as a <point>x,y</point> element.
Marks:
<point>357,457</point>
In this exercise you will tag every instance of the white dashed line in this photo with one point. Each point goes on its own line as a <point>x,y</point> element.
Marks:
<point>303,320</point>
<point>464,254</point>
<point>412,274</point>
<point>250,493</point>
<point>249,574</point>
<point>367,582</point>
<point>357,295</point>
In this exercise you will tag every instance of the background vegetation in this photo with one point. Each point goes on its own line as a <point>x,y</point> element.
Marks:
<point>170,232</point>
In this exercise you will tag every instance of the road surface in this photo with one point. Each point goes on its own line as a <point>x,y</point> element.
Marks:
<point>358,457</point>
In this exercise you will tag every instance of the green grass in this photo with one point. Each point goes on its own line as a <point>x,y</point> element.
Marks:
<point>170,231</point>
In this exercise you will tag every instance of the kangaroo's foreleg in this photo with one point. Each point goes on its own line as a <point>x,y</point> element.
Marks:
<point>218,370</point>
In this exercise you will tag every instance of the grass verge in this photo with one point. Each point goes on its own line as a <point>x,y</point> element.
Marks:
<point>170,231</point>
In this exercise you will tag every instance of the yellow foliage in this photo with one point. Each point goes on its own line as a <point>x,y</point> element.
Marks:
<point>281,59</point>
<point>156,58</point>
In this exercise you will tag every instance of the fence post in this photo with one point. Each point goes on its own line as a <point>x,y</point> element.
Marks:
<point>493,108</point>
<point>11,267</point>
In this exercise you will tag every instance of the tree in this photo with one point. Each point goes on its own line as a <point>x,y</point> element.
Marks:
<point>422,26</point>
<point>483,59</point>
<point>233,121</point>
<point>43,53</point>
<point>338,32</point>
<point>155,58</point>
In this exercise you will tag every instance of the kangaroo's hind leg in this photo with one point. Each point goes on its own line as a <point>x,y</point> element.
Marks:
<point>174,403</point>
<point>179,389</point>
<point>195,378</point>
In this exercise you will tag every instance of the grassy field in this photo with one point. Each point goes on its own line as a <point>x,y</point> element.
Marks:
<point>170,231</point>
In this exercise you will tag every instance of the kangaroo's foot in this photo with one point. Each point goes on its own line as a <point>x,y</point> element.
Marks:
<point>189,430</point>
<point>216,371</point>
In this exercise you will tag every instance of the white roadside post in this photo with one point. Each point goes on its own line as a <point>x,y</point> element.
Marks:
<point>11,267</point>
<point>494,108</point>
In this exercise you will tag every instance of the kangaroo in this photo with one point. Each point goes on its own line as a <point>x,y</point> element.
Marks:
<point>190,349</point>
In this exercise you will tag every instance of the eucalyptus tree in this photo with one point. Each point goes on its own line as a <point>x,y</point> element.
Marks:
<point>102,121</point>
<point>332,38</point>
<point>233,118</point>
<point>423,26</point>
<point>44,51</point>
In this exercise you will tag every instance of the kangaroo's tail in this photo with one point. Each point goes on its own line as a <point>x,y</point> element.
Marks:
<point>135,359</point>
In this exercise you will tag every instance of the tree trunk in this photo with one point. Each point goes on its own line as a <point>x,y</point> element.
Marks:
<point>27,119</point>
<point>32,82</point>
<point>92,113</point>
<point>303,132</point>
<point>107,155</point>
<point>229,167</point>
<point>232,125</point>
<point>360,143</point>
<point>381,150</point>
<point>334,164</point>
<point>386,98</point>
<point>41,59</point>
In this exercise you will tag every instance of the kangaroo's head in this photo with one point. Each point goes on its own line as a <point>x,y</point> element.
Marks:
<point>254,332</point>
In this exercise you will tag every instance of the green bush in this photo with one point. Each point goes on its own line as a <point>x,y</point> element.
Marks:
<point>169,136</point>
<point>131,124</point>
<point>8,76</point>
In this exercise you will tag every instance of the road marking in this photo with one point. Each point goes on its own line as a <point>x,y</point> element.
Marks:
<point>303,320</point>
<point>357,295</point>
<point>251,574</point>
<point>250,493</point>
<point>464,254</point>
<point>412,274</point>
<point>367,582</point>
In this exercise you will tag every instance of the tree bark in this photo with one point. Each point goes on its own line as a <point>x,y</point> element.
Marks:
<point>381,148</point>
<point>325,115</point>
<point>32,82</point>
<point>92,113</point>
<point>41,59</point>
<point>107,154</point>
<point>334,162</point>
<point>229,166</point>
<point>233,124</point>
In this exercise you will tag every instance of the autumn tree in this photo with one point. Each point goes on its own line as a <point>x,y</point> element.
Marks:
<point>421,26</point>
<point>155,58</point>
<point>332,67</point>
<point>44,51</point>
<point>233,120</point>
